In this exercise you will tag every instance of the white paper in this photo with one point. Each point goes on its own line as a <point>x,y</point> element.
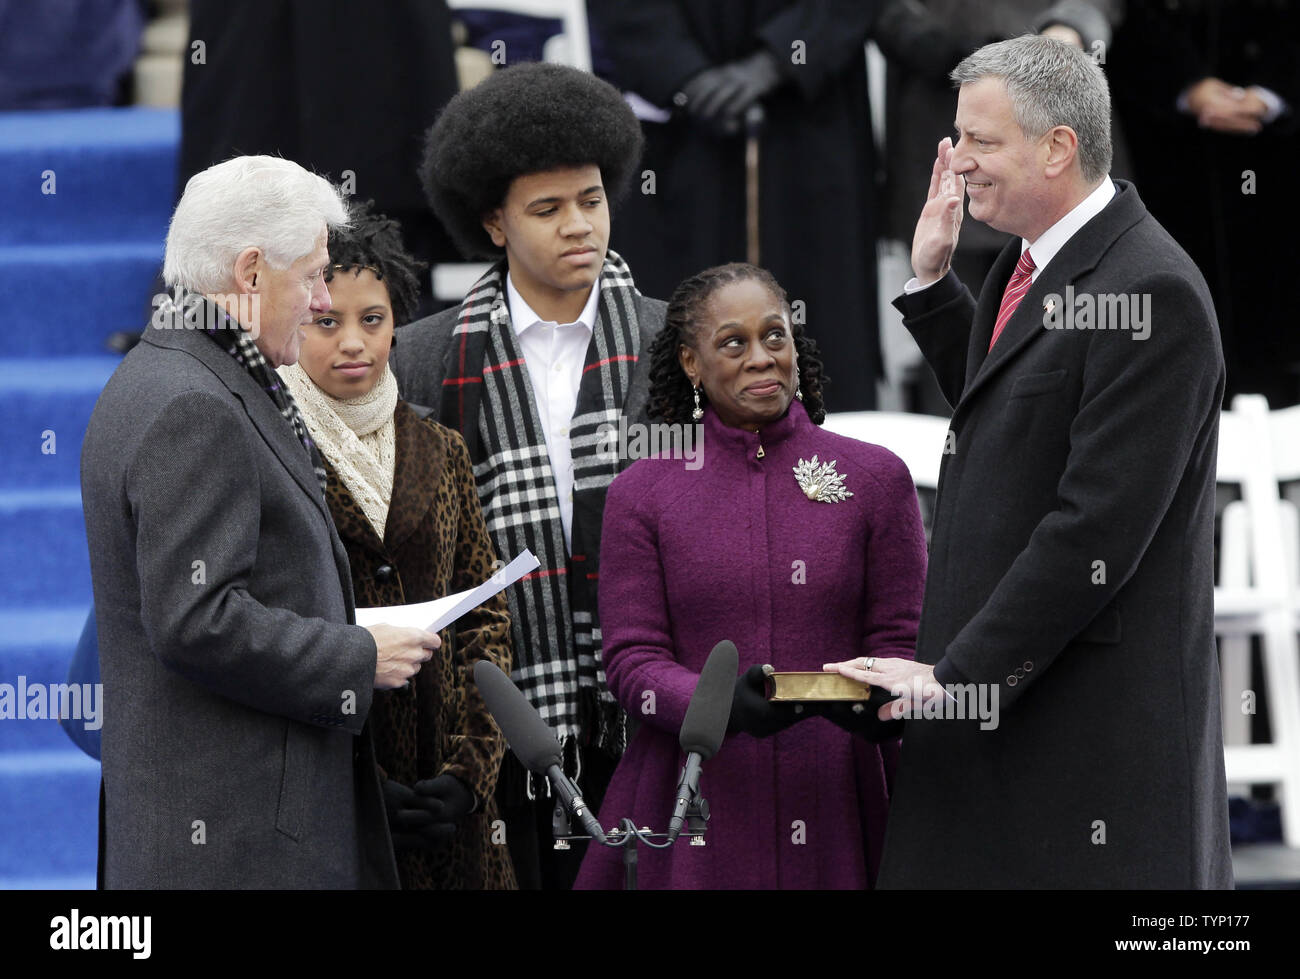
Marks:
<point>441,612</point>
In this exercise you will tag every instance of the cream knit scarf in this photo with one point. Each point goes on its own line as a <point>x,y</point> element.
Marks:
<point>357,436</point>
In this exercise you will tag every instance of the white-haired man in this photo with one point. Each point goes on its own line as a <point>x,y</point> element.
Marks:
<point>1071,572</point>
<point>235,752</point>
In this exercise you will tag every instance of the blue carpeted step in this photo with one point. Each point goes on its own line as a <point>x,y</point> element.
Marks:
<point>72,882</point>
<point>43,555</point>
<point>31,734</point>
<point>36,646</point>
<point>40,396</point>
<point>114,175</point>
<point>49,811</point>
<point>79,264</point>
<point>65,299</point>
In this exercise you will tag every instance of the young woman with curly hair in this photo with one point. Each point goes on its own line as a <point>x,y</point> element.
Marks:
<point>401,491</point>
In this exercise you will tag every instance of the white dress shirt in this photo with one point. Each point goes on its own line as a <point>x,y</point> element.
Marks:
<point>1052,240</point>
<point>553,355</point>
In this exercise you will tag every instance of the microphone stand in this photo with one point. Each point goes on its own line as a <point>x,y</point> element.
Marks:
<point>627,836</point>
<point>561,827</point>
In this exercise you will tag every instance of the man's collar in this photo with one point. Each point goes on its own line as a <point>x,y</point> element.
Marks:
<point>1052,240</point>
<point>522,316</point>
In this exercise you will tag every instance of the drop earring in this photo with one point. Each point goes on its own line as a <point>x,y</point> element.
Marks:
<point>698,412</point>
<point>798,391</point>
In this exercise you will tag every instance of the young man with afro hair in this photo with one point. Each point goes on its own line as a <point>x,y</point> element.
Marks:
<point>549,345</point>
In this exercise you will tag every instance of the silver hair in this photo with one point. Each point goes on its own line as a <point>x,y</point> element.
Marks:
<point>248,201</point>
<point>1050,84</point>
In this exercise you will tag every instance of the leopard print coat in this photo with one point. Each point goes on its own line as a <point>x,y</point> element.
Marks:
<point>435,543</point>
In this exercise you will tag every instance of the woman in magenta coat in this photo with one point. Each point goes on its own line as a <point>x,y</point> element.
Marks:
<point>749,538</point>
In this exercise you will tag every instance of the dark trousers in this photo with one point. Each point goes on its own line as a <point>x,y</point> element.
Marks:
<point>538,865</point>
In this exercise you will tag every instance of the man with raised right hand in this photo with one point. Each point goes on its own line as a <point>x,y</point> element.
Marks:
<point>1071,566</point>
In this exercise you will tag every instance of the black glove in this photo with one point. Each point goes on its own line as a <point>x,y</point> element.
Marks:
<point>406,818</point>
<point>447,798</point>
<point>719,96</point>
<point>751,711</point>
<point>427,816</point>
<point>860,717</point>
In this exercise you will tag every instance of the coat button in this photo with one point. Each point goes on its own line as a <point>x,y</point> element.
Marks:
<point>383,572</point>
<point>1012,681</point>
<point>1029,666</point>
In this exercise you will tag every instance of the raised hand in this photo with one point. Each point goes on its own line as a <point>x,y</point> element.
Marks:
<point>937,229</point>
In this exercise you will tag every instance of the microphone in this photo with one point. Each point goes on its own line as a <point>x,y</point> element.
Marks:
<point>705,725</point>
<point>530,739</point>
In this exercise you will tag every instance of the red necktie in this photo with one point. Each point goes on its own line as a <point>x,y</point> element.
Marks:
<point>1019,283</point>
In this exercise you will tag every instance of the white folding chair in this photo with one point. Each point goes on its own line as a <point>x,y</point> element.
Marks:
<point>1284,673</point>
<point>916,439</point>
<point>1256,596</point>
<point>453,280</point>
<point>1234,643</point>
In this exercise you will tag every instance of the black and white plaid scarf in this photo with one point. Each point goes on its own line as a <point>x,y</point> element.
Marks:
<point>555,627</point>
<point>202,314</point>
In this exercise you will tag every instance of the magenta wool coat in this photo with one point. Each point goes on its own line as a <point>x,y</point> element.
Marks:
<point>734,550</point>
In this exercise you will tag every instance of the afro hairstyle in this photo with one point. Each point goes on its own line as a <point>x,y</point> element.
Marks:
<point>521,120</point>
<point>373,241</point>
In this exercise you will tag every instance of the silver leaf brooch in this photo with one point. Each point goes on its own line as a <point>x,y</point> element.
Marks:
<point>820,482</point>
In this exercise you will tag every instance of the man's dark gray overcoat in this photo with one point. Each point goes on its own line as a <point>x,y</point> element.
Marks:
<point>1071,568</point>
<point>234,748</point>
